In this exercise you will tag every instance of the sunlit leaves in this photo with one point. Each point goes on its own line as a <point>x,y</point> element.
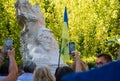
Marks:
<point>91,22</point>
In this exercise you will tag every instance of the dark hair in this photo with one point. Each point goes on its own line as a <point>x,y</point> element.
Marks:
<point>29,67</point>
<point>4,68</point>
<point>106,56</point>
<point>61,71</point>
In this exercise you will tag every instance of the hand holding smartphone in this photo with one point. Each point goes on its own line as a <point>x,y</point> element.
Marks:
<point>72,48</point>
<point>8,44</point>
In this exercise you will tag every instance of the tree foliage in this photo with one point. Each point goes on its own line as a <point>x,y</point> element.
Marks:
<point>92,23</point>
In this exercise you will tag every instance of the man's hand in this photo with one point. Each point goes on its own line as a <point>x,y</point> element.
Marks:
<point>76,55</point>
<point>11,53</point>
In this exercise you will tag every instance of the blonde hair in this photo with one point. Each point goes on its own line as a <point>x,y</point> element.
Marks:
<point>43,74</point>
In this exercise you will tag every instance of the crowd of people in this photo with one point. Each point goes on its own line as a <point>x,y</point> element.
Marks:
<point>78,71</point>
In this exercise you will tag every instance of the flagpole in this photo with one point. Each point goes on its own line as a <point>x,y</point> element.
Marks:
<point>64,39</point>
<point>59,58</point>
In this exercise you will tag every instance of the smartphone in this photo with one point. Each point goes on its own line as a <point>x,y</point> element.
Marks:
<point>8,44</point>
<point>72,47</point>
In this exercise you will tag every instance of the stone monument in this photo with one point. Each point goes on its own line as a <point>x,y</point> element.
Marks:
<point>37,42</point>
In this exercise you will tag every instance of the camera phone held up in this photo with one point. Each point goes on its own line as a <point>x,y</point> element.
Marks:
<point>8,44</point>
<point>72,47</point>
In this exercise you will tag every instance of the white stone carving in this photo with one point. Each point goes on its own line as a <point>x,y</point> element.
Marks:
<point>37,42</point>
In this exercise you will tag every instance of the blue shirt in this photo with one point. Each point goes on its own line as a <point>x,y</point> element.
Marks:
<point>109,72</point>
<point>25,77</point>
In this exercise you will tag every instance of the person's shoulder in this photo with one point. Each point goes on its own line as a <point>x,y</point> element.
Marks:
<point>2,77</point>
<point>25,77</point>
<point>69,77</point>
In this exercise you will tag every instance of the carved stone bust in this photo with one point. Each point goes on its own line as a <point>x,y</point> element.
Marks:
<point>37,42</point>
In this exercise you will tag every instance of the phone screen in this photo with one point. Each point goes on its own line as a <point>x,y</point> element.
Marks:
<point>8,44</point>
<point>71,47</point>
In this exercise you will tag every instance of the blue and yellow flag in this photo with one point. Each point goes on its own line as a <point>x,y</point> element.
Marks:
<point>65,37</point>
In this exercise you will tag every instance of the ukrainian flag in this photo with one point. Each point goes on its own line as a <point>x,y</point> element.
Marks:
<point>65,37</point>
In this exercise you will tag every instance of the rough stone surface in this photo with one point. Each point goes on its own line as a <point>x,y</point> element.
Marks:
<point>37,42</point>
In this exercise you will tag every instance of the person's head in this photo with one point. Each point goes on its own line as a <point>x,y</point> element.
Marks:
<point>29,67</point>
<point>103,59</point>
<point>62,71</point>
<point>4,68</point>
<point>43,73</point>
